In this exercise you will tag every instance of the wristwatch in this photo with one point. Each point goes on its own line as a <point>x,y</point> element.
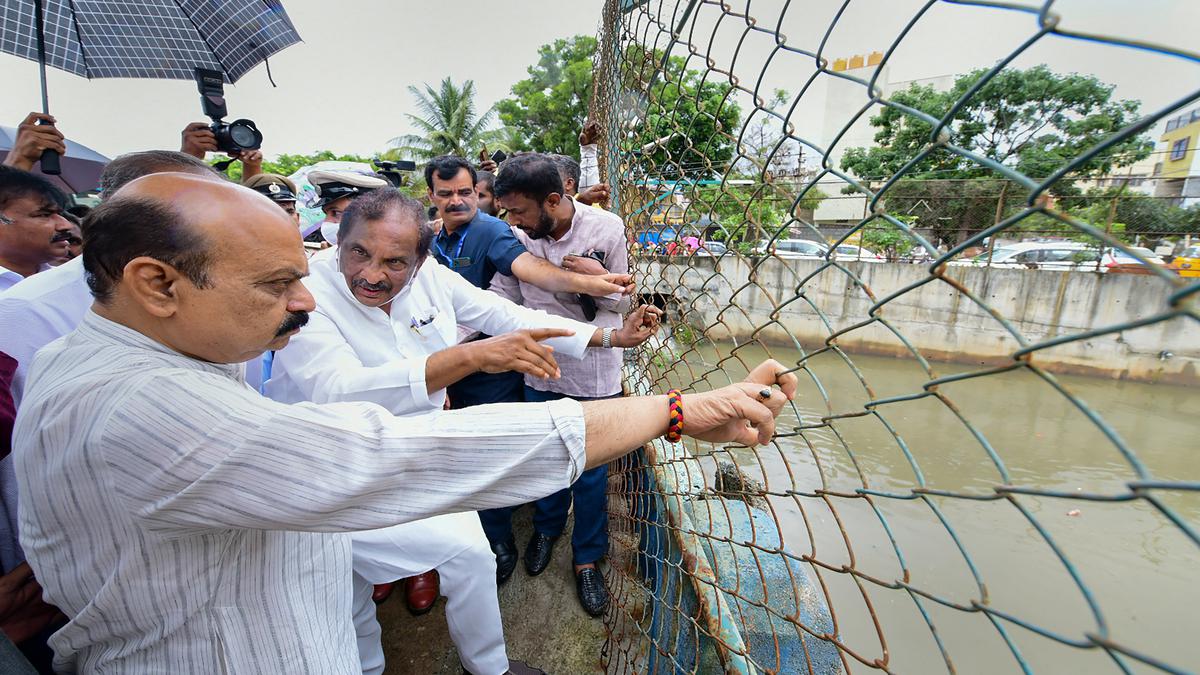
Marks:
<point>606,338</point>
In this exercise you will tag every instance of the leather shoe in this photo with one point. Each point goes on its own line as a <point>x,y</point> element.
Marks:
<point>589,583</point>
<point>382,592</point>
<point>538,553</point>
<point>506,559</point>
<point>421,592</point>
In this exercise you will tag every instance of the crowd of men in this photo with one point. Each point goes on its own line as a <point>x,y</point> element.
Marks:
<point>221,447</point>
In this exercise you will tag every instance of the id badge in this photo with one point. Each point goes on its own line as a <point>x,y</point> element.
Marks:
<point>460,262</point>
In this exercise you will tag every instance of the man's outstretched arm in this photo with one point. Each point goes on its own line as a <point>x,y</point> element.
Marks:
<point>539,272</point>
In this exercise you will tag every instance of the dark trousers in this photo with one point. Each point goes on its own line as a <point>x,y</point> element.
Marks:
<point>589,539</point>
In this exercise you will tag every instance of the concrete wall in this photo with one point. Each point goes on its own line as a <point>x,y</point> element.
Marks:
<point>734,298</point>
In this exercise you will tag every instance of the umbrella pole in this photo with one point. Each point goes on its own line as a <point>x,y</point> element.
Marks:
<point>49,163</point>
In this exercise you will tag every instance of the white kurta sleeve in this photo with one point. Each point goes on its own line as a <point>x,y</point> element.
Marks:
<point>325,368</point>
<point>589,165</point>
<point>220,456</point>
<point>494,314</point>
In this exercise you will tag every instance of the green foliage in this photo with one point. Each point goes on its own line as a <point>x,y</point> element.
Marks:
<point>549,108</point>
<point>1134,213</point>
<point>448,124</point>
<point>886,238</point>
<point>288,164</point>
<point>1035,121</point>
<point>689,121</point>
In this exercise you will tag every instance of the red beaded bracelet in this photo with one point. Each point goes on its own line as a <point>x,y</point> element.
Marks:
<point>675,410</point>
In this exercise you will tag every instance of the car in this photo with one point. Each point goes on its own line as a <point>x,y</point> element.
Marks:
<point>852,252</point>
<point>793,248</point>
<point>1058,255</point>
<point>1117,261</point>
<point>1188,262</point>
<point>712,248</point>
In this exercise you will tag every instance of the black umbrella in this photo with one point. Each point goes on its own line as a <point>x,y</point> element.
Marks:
<point>161,39</point>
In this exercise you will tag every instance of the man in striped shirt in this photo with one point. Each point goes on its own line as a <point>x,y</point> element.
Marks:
<point>183,522</point>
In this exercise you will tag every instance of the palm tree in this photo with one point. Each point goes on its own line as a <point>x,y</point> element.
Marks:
<point>447,123</point>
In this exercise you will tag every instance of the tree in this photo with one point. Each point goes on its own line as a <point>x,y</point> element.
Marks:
<point>288,164</point>
<point>1035,121</point>
<point>448,123</point>
<point>883,236</point>
<point>549,108</point>
<point>688,123</point>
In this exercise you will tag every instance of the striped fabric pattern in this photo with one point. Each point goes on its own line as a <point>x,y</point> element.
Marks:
<point>186,524</point>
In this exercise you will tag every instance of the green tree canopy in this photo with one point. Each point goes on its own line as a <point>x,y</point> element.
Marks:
<point>1035,121</point>
<point>288,164</point>
<point>548,109</point>
<point>447,124</point>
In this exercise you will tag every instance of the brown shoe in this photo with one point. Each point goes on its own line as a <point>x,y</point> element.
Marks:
<point>382,592</point>
<point>421,592</point>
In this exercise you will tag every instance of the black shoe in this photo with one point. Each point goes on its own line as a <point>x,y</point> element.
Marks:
<point>506,559</point>
<point>517,668</point>
<point>592,593</point>
<point>538,553</point>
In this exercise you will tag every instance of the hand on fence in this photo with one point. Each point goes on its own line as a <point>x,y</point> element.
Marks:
<point>595,194</point>
<point>638,327</point>
<point>739,413</point>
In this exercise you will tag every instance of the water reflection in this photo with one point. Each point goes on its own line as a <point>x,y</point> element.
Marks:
<point>1130,572</point>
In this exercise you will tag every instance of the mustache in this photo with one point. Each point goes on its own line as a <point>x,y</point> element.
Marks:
<point>381,286</point>
<point>61,235</point>
<point>459,208</point>
<point>294,321</point>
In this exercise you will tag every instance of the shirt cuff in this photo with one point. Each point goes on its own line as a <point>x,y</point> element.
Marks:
<point>567,414</point>
<point>416,383</point>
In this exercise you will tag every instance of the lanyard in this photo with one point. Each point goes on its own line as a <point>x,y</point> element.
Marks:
<point>450,260</point>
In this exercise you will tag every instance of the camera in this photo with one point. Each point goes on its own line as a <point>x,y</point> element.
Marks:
<point>394,172</point>
<point>232,137</point>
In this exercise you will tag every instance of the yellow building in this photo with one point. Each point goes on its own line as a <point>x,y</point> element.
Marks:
<point>1177,169</point>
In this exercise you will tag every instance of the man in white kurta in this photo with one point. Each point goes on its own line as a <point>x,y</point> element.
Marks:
<point>380,352</point>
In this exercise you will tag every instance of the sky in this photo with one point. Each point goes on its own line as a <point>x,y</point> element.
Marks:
<point>345,87</point>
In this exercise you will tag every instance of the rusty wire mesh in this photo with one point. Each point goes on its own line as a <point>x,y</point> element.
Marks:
<point>916,512</point>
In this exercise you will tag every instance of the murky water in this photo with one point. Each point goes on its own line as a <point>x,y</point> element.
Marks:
<point>1141,572</point>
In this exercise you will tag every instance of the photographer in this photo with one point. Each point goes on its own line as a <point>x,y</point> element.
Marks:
<point>198,139</point>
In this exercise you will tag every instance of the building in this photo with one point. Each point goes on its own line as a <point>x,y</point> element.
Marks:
<point>844,100</point>
<point>1177,170</point>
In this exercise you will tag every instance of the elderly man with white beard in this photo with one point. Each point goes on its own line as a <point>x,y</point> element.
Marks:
<point>384,331</point>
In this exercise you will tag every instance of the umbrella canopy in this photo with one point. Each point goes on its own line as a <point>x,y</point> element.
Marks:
<point>81,166</point>
<point>161,39</point>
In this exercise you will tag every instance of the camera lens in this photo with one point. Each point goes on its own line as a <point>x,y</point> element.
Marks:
<point>243,136</point>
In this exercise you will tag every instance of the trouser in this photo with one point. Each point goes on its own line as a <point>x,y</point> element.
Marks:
<point>454,545</point>
<point>589,539</point>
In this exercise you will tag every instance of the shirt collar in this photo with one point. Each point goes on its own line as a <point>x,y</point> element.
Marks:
<point>97,328</point>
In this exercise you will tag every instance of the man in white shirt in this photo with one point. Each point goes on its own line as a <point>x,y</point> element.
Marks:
<point>184,523</point>
<point>33,231</point>
<point>384,331</point>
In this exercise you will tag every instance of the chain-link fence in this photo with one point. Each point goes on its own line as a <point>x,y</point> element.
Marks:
<point>991,465</point>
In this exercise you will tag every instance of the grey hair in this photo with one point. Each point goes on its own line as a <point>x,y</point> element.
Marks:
<point>134,165</point>
<point>377,204</point>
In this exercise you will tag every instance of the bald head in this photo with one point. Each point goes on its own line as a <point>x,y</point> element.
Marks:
<point>176,218</point>
<point>210,268</point>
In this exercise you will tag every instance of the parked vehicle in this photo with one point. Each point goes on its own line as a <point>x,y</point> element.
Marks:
<point>1117,261</point>
<point>793,248</point>
<point>1061,255</point>
<point>1188,262</point>
<point>712,248</point>
<point>852,252</point>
